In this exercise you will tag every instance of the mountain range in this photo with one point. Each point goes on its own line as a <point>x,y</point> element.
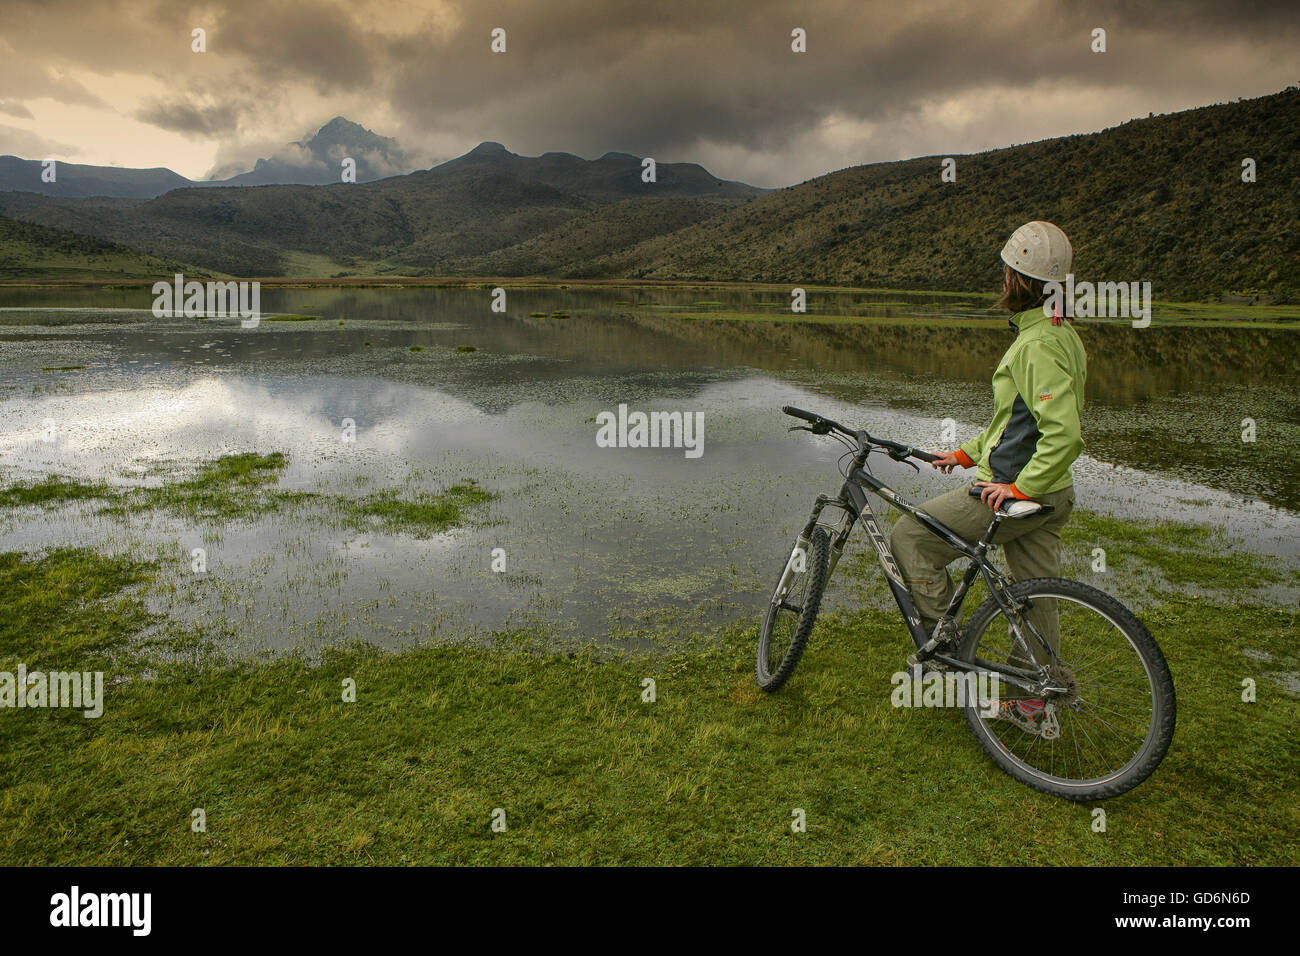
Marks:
<point>485,201</point>
<point>315,161</point>
<point>1164,198</point>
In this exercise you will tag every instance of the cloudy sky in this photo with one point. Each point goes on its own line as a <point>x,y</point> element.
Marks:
<point>115,82</point>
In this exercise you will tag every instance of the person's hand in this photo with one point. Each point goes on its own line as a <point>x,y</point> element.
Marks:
<point>945,461</point>
<point>994,493</point>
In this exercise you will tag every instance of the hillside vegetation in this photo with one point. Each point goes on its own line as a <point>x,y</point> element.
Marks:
<point>1158,199</point>
<point>433,222</point>
<point>28,251</point>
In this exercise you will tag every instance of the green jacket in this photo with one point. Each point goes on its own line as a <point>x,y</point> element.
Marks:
<point>1034,437</point>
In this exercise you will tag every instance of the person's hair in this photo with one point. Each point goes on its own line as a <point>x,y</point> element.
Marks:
<point>1021,292</point>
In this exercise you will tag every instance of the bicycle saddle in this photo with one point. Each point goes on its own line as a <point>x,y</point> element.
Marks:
<point>1017,507</point>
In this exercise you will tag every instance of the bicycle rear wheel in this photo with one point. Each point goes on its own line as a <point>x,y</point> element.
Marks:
<point>1111,724</point>
<point>792,612</point>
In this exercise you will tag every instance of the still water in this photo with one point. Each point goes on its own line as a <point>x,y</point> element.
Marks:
<point>599,543</point>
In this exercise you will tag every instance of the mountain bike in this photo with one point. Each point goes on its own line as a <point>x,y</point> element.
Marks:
<point>1090,711</point>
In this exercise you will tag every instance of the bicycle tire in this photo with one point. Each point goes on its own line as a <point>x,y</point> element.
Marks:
<point>818,564</point>
<point>1163,716</point>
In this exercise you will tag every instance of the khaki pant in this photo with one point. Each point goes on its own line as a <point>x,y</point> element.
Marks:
<point>1032,547</point>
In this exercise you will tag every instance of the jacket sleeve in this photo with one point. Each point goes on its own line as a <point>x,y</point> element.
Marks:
<point>1043,380</point>
<point>974,448</point>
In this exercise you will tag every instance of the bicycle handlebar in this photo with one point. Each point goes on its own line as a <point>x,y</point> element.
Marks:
<point>896,449</point>
<point>812,418</point>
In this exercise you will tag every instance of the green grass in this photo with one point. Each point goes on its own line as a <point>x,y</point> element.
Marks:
<point>228,487</point>
<point>242,485</point>
<point>52,491</point>
<point>464,349</point>
<point>829,319</point>
<point>421,514</point>
<point>1184,555</point>
<point>62,368</point>
<point>225,488</point>
<point>287,772</point>
<point>67,607</point>
<point>1200,313</point>
<point>1234,313</point>
<point>310,264</point>
<point>292,318</point>
<point>249,469</point>
<point>1159,318</point>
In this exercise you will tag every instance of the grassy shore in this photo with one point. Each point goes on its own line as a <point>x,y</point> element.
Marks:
<point>1204,314</point>
<point>481,282</point>
<point>586,770</point>
<point>1183,315</point>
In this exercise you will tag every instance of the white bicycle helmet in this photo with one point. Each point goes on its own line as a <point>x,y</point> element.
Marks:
<point>1040,250</point>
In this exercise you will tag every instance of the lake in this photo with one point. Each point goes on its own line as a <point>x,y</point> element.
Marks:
<point>611,544</point>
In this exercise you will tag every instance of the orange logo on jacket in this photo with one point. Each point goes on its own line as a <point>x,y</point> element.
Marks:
<point>1044,395</point>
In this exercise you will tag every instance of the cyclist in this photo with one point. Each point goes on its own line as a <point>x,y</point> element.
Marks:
<point>1026,452</point>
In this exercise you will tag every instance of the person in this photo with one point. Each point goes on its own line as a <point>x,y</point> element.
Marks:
<point>1026,451</point>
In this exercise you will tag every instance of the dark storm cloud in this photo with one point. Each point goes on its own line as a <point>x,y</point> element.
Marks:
<point>676,79</point>
<point>1198,15</point>
<point>183,116</point>
<point>324,45</point>
<point>661,77</point>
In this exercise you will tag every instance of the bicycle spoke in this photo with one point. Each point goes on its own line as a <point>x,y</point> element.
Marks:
<point>1104,716</point>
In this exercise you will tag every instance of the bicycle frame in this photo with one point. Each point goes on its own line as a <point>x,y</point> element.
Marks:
<point>853,501</point>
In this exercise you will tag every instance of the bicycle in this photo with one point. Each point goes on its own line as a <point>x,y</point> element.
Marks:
<point>1092,711</point>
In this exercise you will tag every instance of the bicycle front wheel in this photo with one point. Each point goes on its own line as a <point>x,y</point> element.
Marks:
<point>792,611</point>
<point>1109,719</point>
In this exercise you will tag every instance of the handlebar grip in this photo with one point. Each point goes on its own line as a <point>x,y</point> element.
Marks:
<point>924,455</point>
<point>800,413</point>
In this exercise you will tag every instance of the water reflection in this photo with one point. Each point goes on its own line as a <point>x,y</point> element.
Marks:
<point>599,541</point>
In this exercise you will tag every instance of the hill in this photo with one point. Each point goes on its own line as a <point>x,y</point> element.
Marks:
<point>28,251</point>
<point>1160,199</point>
<point>77,179</point>
<point>614,176</point>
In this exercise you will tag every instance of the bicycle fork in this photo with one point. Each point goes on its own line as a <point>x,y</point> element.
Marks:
<point>797,563</point>
<point>839,538</point>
